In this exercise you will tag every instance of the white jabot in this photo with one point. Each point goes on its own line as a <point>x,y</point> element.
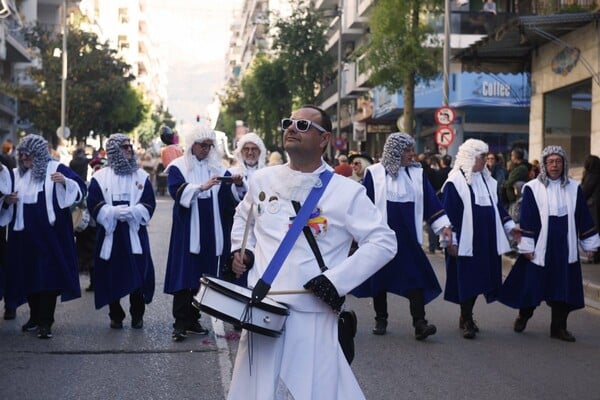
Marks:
<point>121,188</point>
<point>553,200</point>
<point>28,191</point>
<point>407,187</point>
<point>5,189</point>
<point>465,246</point>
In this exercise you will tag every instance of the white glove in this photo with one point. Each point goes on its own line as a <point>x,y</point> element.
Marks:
<point>124,213</point>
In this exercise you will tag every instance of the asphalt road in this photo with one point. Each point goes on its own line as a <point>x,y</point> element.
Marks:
<point>88,360</point>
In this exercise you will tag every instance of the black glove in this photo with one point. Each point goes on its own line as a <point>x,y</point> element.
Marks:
<point>227,272</point>
<point>324,289</point>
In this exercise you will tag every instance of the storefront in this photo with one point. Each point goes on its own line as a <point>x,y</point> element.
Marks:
<point>561,52</point>
<point>490,107</point>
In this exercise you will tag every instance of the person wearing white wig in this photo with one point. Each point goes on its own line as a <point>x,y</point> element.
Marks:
<point>251,155</point>
<point>122,202</point>
<point>41,259</point>
<point>479,233</point>
<point>406,198</point>
<point>202,219</point>
<point>555,220</point>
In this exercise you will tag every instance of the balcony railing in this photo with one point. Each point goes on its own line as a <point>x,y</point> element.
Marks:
<point>470,22</point>
<point>327,90</point>
<point>8,104</point>
<point>14,29</point>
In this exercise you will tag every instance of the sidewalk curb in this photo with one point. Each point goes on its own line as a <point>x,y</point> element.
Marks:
<point>591,290</point>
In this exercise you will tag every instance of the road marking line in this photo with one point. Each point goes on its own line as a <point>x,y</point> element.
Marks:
<point>224,354</point>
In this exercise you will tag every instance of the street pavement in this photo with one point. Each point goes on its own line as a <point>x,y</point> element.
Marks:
<point>88,360</point>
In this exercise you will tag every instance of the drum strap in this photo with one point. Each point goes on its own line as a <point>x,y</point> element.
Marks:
<point>310,238</point>
<point>264,283</point>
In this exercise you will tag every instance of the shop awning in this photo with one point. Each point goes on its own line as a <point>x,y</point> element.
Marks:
<point>508,49</point>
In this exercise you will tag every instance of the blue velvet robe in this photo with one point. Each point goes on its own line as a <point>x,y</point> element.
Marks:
<point>481,273</point>
<point>184,269</point>
<point>124,272</point>
<point>42,257</point>
<point>410,268</point>
<point>528,284</point>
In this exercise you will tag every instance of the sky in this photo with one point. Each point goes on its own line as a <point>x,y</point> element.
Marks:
<point>193,36</point>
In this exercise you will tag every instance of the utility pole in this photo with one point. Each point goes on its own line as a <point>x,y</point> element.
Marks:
<point>446,52</point>
<point>63,88</point>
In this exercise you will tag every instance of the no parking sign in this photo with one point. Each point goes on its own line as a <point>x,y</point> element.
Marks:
<point>339,143</point>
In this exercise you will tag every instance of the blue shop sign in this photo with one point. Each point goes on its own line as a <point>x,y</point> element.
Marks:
<point>466,89</point>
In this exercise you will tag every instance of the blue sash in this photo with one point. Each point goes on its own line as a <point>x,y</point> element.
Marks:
<point>263,285</point>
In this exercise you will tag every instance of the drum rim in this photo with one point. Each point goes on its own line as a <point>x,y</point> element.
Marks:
<point>208,281</point>
<point>232,320</point>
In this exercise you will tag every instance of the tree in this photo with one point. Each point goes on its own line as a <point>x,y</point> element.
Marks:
<point>99,92</point>
<point>396,53</point>
<point>290,78</point>
<point>266,98</point>
<point>232,109</point>
<point>148,129</point>
<point>300,43</point>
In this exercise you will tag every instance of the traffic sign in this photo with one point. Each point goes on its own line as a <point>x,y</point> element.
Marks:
<point>444,136</point>
<point>445,116</point>
<point>339,143</point>
<point>63,134</point>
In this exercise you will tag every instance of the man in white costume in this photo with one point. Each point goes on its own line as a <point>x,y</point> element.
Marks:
<point>306,361</point>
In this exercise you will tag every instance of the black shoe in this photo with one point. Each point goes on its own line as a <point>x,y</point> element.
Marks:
<point>114,324</point>
<point>380,326</point>
<point>10,313</point>
<point>197,329</point>
<point>137,323</point>
<point>179,335</point>
<point>30,326</point>
<point>44,333</point>
<point>562,334</point>
<point>469,329</point>
<point>423,329</point>
<point>461,324</point>
<point>520,324</point>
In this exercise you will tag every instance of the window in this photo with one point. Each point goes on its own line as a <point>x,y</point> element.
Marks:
<point>123,16</point>
<point>568,119</point>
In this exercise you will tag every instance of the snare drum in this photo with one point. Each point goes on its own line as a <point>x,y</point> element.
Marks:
<point>230,303</point>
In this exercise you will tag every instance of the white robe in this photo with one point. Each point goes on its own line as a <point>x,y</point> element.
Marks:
<point>306,362</point>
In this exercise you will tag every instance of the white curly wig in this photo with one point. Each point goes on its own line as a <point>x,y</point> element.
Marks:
<point>465,158</point>
<point>199,133</point>
<point>548,151</point>
<point>116,158</point>
<point>37,147</point>
<point>251,137</point>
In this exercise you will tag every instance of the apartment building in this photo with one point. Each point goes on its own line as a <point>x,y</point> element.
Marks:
<point>123,24</point>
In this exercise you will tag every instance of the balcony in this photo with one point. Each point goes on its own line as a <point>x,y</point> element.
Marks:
<point>8,105</point>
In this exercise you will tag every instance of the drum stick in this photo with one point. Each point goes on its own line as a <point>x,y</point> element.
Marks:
<point>246,231</point>
<point>293,291</point>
